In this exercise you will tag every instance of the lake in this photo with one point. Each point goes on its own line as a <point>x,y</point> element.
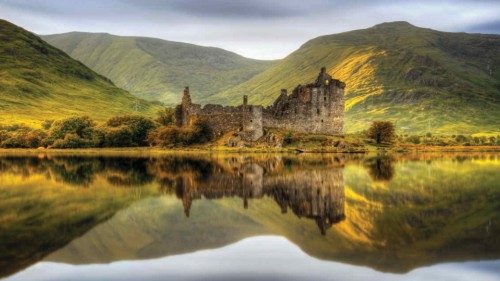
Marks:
<point>250,217</point>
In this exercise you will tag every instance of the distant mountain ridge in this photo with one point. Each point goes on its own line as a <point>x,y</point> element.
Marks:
<point>39,82</point>
<point>422,79</point>
<point>157,69</point>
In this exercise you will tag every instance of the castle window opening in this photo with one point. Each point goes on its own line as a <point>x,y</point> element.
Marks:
<point>317,110</point>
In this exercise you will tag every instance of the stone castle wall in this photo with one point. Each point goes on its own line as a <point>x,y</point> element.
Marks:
<point>313,108</point>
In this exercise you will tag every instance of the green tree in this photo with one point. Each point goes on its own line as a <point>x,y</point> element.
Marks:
<point>166,117</point>
<point>382,132</point>
<point>73,132</point>
<point>136,127</point>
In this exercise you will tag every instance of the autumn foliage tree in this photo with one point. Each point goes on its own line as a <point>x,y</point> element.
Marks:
<point>382,132</point>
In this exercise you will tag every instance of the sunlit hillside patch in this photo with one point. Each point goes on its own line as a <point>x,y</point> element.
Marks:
<point>39,82</point>
<point>421,74</point>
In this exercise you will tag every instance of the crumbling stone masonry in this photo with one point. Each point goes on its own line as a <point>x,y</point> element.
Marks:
<point>317,107</point>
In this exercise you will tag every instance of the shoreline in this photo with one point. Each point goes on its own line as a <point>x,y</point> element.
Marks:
<point>138,151</point>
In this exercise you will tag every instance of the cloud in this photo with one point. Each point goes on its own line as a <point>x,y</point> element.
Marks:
<point>254,28</point>
<point>492,27</point>
<point>235,9</point>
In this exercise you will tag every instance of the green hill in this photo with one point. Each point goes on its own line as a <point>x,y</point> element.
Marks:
<point>424,80</point>
<point>39,82</point>
<point>156,69</point>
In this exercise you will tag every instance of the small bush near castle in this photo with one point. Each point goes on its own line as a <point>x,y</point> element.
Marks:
<point>127,131</point>
<point>382,132</point>
<point>288,138</point>
<point>167,136</point>
<point>166,117</point>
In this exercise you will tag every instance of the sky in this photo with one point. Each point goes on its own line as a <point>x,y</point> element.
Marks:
<point>260,29</point>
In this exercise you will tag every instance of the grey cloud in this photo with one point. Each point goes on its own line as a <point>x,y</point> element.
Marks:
<point>492,27</point>
<point>254,28</point>
<point>239,9</point>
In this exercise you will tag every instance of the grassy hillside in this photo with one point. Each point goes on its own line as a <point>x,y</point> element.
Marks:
<point>420,78</point>
<point>156,69</point>
<point>38,82</point>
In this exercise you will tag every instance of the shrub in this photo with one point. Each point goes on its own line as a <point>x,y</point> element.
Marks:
<point>382,132</point>
<point>202,132</point>
<point>118,137</point>
<point>4,135</point>
<point>166,136</point>
<point>13,142</point>
<point>414,139</point>
<point>72,141</point>
<point>288,138</point>
<point>73,132</point>
<point>166,117</point>
<point>79,126</point>
<point>47,124</point>
<point>35,138</point>
<point>137,128</point>
<point>24,137</point>
<point>461,139</point>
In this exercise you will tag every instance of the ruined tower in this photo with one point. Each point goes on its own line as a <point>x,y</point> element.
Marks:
<point>182,111</point>
<point>317,107</point>
<point>251,121</point>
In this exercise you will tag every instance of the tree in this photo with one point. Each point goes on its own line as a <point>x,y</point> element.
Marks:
<point>128,130</point>
<point>73,132</point>
<point>202,132</point>
<point>166,117</point>
<point>382,132</point>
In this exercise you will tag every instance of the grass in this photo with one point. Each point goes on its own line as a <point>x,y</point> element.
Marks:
<point>156,69</point>
<point>39,82</point>
<point>424,80</point>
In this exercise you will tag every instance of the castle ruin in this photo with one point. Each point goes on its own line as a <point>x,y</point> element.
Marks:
<point>316,107</point>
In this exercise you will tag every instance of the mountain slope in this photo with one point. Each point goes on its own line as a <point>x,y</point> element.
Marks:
<point>156,69</point>
<point>424,80</point>
<point>38,82</point>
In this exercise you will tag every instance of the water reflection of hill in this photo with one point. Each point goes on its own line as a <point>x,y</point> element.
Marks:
<point>386,213</point>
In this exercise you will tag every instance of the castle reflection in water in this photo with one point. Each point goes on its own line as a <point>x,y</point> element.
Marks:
<point>316,193</point>
<point>310,187</point>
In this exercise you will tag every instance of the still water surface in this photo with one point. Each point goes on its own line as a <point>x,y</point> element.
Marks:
<point>250,217</point>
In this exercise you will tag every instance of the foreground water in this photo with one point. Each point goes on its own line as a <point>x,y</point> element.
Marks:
<point>269,217</point>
